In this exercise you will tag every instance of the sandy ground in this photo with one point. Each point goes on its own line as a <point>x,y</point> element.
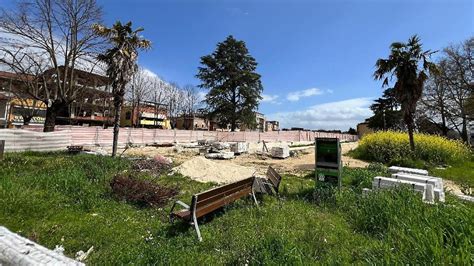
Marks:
<point>223,171</point>
<point>205,170</point>
<point>452,187</point>
<point>299,164</point>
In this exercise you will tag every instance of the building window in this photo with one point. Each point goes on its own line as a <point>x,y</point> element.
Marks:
<point>128,115</point>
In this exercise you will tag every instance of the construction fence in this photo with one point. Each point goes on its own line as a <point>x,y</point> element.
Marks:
<point>33,139</point>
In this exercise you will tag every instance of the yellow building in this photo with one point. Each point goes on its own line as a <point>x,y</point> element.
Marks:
<point>363,129</point>
<point>149,114</point>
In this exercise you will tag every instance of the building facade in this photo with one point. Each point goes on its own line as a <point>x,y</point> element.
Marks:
<point>272,126</point>
<point>93,104</point>
<point>147,114</point>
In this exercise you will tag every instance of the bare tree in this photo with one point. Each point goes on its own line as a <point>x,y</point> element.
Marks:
<point>457,73</point>
<point>139,90</point>
<point>50,40</point>
<point>435,103</point>
<point>174,102</point>
<point>191,99</point>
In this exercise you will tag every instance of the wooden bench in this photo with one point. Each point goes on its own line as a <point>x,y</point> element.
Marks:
<point>273,179</point>
<point>211,200</point>
<point>75,149</point>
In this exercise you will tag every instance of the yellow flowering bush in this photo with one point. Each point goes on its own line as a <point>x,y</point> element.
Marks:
<point>388,146</point>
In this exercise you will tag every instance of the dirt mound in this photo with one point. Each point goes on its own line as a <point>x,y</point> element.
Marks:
<point>204,170</point>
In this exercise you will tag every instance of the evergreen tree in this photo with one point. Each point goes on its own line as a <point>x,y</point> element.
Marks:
<point>234,86</point>
<point>387,114</point>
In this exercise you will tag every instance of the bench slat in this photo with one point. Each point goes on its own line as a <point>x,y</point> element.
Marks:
<point>203,202</point>
<point>274,177</point>
<point>214,191</point>
<point>222,202</point>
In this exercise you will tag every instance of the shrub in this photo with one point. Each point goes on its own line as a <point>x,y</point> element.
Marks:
<point>394,147</point>
<point>141,192</point>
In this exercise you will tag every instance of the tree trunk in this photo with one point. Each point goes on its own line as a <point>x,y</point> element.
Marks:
<point>443,122</point>
<point>409,121</point>
<point>410,136</point>
<point>464,133</point>
<point>27,119</point>
<point>233,123</point>
<point>51,113</point>
<point>118,99</point>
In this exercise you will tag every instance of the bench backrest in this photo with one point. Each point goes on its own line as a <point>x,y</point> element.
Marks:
<point>274,178</point>
<point>208,201</point>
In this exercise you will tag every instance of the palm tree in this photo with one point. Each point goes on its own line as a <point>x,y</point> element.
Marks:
<point>408,63</point>
<point>121,61</point>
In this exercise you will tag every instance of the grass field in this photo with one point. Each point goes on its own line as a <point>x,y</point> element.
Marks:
<point>461,172</point>
<point>57,199</point>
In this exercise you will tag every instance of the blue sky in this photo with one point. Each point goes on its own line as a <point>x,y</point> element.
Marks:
<point>316,58</point>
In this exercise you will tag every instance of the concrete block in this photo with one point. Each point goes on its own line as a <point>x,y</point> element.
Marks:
<point>220,145</point>
<point>439,195</point>
<point>398,169</point>
<point>435,181</point>
<point>221,155</point>
<point>239,147</point>
<point>281,152</point>
<point>17,250</point>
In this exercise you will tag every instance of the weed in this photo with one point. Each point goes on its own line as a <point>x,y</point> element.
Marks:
<point>141,192</point>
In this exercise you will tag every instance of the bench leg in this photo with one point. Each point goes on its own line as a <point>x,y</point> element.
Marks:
<point>196,227</point>
<point>254,198</point>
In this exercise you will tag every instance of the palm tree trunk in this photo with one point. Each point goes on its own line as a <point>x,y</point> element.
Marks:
<point>118,100</point>
<point>409,121</point>
<point>410,136</point>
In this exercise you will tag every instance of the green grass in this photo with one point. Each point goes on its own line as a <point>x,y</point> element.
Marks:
<point>57,199</point>
<point>461,172</point>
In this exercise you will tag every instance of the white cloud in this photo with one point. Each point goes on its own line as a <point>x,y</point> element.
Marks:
<point>268,98</point>
<point>334,115</point>
<point>295,96</point>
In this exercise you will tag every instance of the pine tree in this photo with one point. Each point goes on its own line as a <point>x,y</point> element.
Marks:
<point>234,86</point>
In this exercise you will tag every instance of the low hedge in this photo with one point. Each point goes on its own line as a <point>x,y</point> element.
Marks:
<point>393,147</point>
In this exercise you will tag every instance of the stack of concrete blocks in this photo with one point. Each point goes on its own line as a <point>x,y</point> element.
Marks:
<point>419,175</point>
<point>426,190</point>
<point>281,152</point>
<point>239,147</point>
<point>430,187</point>
<point>16,250</point>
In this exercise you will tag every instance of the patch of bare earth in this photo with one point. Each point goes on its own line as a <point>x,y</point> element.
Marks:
<point>301,163</point>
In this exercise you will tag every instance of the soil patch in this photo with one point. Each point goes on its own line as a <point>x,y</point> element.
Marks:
<point>221,172</point>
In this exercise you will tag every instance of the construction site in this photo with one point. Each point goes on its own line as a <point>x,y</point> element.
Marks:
<point>236,132</point>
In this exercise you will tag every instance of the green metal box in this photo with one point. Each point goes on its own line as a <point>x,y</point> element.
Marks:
<point>328,161</point>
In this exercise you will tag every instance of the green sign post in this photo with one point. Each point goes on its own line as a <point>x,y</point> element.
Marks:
<point>328,161</point>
